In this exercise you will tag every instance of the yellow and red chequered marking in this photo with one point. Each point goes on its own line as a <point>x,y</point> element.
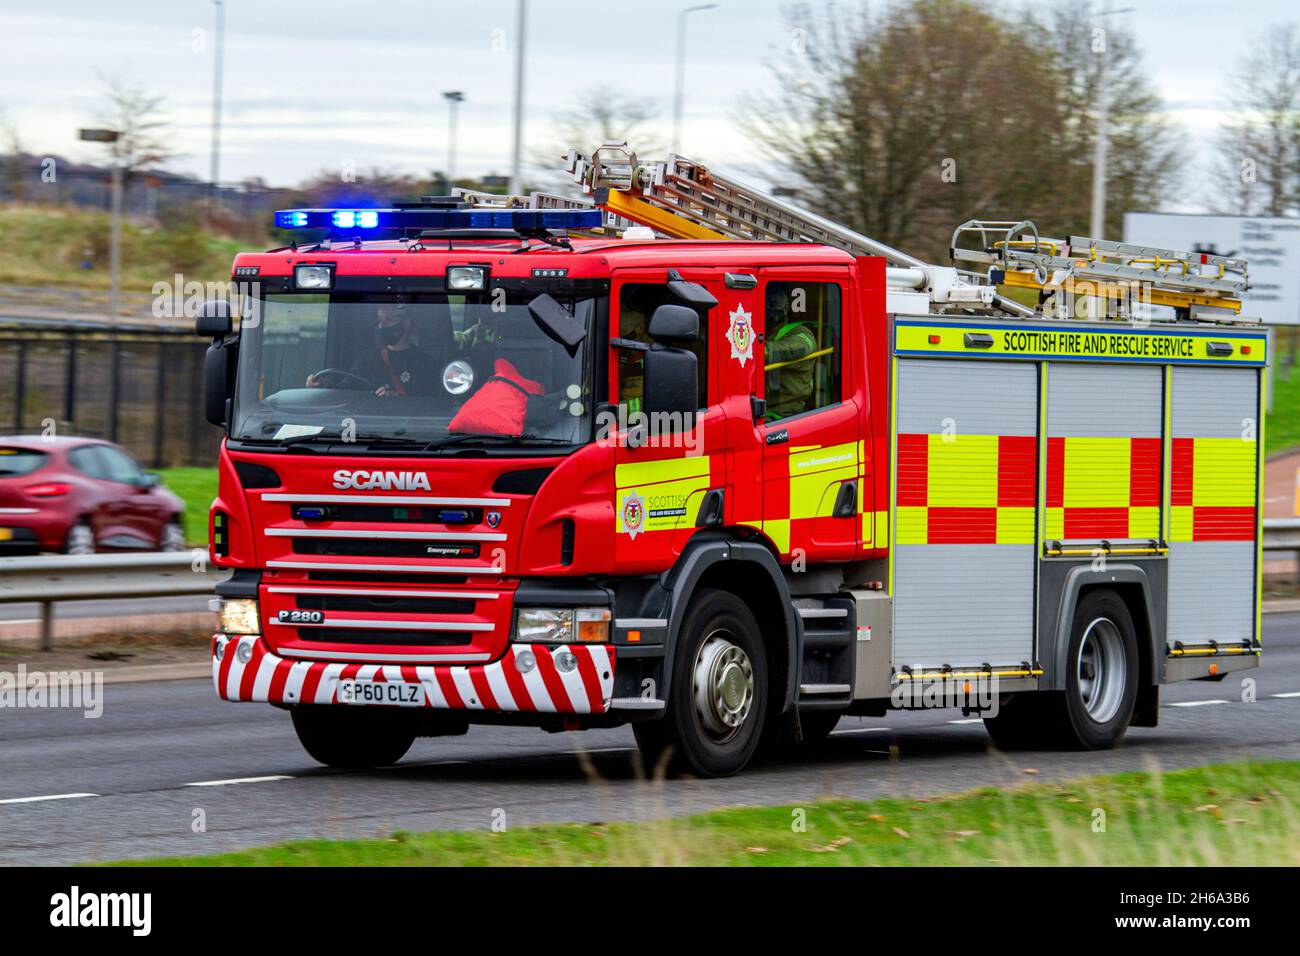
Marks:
<point>1103,487</point>
<point>966,489</point>
<point>1212,489</point>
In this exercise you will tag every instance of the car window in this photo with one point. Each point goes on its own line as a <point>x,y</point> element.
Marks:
<point>636,303</point>
<point>20,461</point>
<point>86,460</point>
<point>118,466</point>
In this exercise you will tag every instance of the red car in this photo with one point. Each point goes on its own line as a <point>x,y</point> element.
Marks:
<point>79,496</point>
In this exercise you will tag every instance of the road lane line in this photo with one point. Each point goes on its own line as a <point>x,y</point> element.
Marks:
<point>233,780</point>
<point>52,796</point>
<point>860,730</point>
<point>1295,693</point>
<point>968,720</point>
<point>1197,703</point>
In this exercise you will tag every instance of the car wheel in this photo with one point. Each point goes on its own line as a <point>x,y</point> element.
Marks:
<point>353,738</point>
<point>718,703</point>
<point>81,539</point>
<point>173,537</point>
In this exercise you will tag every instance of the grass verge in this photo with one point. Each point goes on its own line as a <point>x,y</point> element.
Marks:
<point>1242,814</point>
<point>1282,425</point>
<point>196,487</point>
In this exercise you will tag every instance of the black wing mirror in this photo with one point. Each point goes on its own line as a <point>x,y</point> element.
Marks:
<point>557,322</point>
<point>214,319</point>
<point>692,293</point>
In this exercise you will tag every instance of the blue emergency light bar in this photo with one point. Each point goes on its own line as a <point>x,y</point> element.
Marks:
<point>357,221</point>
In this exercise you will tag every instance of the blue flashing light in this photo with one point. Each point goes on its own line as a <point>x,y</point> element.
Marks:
<point>436,218</point>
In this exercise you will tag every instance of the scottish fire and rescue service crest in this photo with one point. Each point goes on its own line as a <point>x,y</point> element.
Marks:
<point>633,514</point>
<point>740,333</point>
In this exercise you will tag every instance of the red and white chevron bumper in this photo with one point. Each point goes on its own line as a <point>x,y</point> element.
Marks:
<point>541,678</point>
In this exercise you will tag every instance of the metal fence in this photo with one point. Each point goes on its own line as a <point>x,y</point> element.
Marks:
<point>141,388</point>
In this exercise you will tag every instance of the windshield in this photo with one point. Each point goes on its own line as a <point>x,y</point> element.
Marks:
<point>418,370</point>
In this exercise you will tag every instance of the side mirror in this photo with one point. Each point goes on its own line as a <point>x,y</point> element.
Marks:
<point>148,480</point>
<point>692,293</point>
<point>216,382</point>
<point>557,322</point>
<point>671,382</point>
<point>214,320</point>
<point>674,323</point>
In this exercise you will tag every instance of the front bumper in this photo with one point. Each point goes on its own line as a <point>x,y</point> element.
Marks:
<point>581,683</point>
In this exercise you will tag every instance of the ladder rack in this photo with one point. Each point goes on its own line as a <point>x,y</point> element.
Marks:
<point>683,199</point>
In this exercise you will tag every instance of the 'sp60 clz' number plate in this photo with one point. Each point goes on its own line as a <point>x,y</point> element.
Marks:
<point>301,617</point>
<point>379,692</point>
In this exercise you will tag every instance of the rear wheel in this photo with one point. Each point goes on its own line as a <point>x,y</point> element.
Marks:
<point>719,698</point>
<point>81,539</point>
<point>1101,685</point>
<point>353,738</point>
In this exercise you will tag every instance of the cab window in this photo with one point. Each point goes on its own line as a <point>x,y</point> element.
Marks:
<point>801,347</point>
<point>636,303</point>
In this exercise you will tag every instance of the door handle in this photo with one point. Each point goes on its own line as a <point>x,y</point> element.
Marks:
<point>846,502</point>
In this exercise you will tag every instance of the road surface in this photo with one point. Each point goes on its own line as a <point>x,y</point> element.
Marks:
<point>163,751</point>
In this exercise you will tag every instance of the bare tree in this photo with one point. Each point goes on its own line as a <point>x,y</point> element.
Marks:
<point>903,123</point>
<point>597,115</point>
<point>14,158</point>
<point>1091,55</point>
<point>1259,146</point>
<point>139,118</point>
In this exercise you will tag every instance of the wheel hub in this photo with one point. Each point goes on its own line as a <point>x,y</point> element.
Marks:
<point>723,686</point>
<point>1101,671</point>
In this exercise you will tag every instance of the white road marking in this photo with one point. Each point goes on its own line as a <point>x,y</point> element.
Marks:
<point>1197,703</point>
<point>223,783</point>
<point>860,730</point>
<point>1295,693</point>
<point>968,720</point>
<point>52,796</point>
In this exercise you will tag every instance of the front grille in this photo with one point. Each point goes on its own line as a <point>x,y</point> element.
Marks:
<point>358,577</point>
<point>390,605</point>
<point>354,635</point>
<point>383,548</point>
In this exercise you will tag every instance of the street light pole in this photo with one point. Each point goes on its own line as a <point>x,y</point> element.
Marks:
<point>679,84</point>
<point>217,51</point>
<point>111,137</point>
<point>516,159</point>
<point>1101,146</point>
<point>454,98</point>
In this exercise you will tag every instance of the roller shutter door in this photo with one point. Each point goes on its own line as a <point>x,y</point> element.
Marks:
<point>1104,450</point>
<point>1213,501</point>
<point>965,504</point>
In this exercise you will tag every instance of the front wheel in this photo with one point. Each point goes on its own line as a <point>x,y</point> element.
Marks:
<point>719,693</point>
<point>353,738</point>
<point>81,539</point>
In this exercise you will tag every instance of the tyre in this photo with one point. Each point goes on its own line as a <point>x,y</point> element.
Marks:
<point>173,537</point>
<point>353,738</point>
<point>718,701</point>
<point>81,539</point>
<point>1101,685</point>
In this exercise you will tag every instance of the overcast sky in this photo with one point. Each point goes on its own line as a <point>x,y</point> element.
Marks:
<point>315,84</point>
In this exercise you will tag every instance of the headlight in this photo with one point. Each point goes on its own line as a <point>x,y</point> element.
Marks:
<point>458,377</point>
<point>556,625</point>
<point>313,277</point>
<point>467,278</point>
<point>240,616</point>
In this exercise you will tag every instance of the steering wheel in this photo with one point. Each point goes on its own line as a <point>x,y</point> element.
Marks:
<point>337,375</point>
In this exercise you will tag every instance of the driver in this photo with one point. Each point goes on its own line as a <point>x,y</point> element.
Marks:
<point>396,365</point>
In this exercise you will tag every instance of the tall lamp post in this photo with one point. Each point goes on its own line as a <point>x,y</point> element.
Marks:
<point>1101,145</point>
<point>215,169</point>
<point>516,158</point>
<point>679,91</point>
<point>454,98</point>
<point>111,136</point>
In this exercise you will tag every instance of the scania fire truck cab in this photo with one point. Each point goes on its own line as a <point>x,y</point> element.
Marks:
<point>481,468</point>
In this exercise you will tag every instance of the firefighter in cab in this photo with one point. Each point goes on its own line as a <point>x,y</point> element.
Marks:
<point>788,347</point>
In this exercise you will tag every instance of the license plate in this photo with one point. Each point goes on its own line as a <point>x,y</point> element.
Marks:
<point>6,534</point>
<point>381,692</point>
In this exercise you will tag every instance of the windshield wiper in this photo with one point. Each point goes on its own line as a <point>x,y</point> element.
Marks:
<point>441,443</point>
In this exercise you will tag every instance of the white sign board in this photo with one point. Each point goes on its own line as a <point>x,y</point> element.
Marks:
<point>1271,248</point>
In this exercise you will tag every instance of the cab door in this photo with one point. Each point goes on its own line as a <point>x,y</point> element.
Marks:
<point>664,468</point>
<point>812,453</point>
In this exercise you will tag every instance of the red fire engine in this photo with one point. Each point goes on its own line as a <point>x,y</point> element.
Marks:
<point>685,456</point>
